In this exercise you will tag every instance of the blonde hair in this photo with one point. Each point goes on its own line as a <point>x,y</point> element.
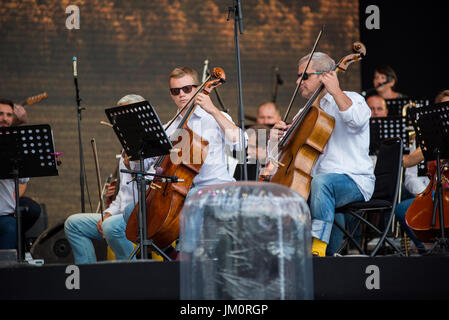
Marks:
<point>184,71</point>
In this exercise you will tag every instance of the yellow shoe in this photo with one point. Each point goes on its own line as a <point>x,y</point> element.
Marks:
<point>319,247</point>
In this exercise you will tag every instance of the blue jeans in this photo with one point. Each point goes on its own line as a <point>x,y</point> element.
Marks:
<point>8,223</point>
<point>82,227</point>
<point>400,211</point>
<point>8,232</point>
<point>327,192</point>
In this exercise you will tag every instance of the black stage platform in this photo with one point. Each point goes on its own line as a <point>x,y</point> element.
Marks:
<point>335,278</point>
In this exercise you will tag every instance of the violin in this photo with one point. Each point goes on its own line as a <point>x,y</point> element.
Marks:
<point>164,200</point>
<point>307,136</point>
<point>420,213</point>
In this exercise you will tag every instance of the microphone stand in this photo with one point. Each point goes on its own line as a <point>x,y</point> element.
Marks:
<point>238,25</point>
<point>277,82</point>
<point>78,110</point>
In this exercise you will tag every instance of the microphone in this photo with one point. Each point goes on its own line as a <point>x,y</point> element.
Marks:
<point>382,84</point>
<point>75,73</point>
<point>371,90</point>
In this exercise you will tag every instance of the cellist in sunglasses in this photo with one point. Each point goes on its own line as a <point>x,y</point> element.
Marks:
<point>204,120</point>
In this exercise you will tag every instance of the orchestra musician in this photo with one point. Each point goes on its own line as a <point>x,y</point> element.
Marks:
<point>208,122</point>
<point>82,227</point>
<point>377,105</point>
<point>344,172</point>
<point>268,114</point>
<point>385,81</point>
<point>8,223</point>
<point>414,183</point>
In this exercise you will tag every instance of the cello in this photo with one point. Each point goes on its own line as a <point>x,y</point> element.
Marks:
<point>307,136</point>
<point>420,212</point>
<point>164,200</point>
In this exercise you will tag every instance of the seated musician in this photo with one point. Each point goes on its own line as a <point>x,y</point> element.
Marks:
<point>268,114</point>
<point>208,122</point>
<point>414,183</point>
<point>377,105</point>
<point>344,172</point>
<point>8,224</point>
<point>82,227</point>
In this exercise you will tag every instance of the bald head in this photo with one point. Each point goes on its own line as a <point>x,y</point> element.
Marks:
<point>378,106</point>
<point>268,114</point>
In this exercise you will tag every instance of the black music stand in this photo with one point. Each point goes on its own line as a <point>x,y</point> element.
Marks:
<point>395,106</point>
<point>142,136</point>
<point>382,128</point>
<point>27,151</point>
<point>432,129</point>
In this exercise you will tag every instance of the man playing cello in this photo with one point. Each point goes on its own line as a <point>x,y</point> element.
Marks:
<point>206,122</point>
<point>344,172</point>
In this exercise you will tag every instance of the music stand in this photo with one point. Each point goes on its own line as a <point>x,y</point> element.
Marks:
<point>395,106</point>
<point>27,151</point>
<point>432,129</point>
<point>382,128</point>
<point>142,136</point>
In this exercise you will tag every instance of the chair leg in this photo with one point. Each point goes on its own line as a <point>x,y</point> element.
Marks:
<point>384,238</point>
<point>350,237</point>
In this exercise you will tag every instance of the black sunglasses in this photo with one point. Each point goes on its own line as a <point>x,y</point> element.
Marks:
<point>186,89</point>
<point>307,74</point>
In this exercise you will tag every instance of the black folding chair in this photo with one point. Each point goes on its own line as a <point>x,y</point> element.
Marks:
<point>384,200</point>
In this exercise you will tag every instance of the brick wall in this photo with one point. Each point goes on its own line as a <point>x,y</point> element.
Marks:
<point>131,46</point>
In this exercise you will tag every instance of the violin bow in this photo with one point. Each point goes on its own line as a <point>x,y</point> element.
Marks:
<point>97,168</point>
<point>305,70</point>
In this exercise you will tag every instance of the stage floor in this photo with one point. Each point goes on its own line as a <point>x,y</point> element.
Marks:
<point>335,278</point>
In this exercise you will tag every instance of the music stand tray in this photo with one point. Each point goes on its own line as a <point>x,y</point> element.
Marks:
<point>142,136</point>
<point>432,130</point>
<point>27,152</point>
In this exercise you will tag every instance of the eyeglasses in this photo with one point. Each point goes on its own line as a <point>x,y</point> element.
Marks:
<point>307,74</point>
<point>186,89</point>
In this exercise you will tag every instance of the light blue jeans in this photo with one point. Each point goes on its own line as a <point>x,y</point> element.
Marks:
<point>82,227</point>
<point>327,192</point>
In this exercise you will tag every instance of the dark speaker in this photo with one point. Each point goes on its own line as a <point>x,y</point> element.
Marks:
<point>53,247</point>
